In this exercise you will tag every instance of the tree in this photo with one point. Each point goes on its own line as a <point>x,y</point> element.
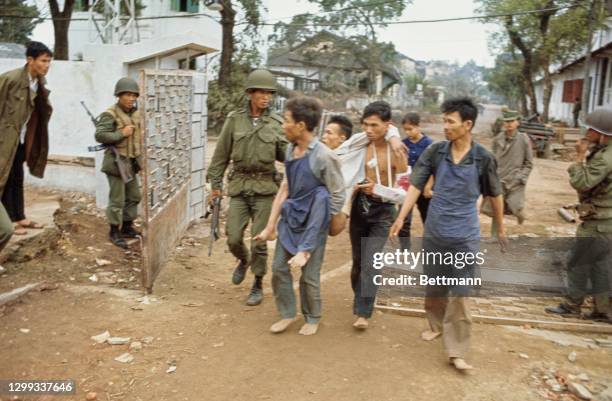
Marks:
<point>355,20</point>
<point>61,24</point>
<point>18,30</point>
<point>544,39</point>
<point>251,11</point>
<point>504,80</point>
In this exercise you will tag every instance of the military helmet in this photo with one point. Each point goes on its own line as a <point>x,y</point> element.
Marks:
<point>600,121</point>
<point>126,84</point>
<point>261,79</point>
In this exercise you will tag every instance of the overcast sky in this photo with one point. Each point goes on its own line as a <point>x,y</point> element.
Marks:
<point>453,41</point>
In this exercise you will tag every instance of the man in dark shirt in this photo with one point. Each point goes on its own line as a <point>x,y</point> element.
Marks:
<point>462,171</point>
<point>416,142</point>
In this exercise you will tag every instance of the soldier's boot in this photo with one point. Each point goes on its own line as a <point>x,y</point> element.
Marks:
<point>256,295</point>
<point>128,231</point>
<point>115,237</point>
<point>240,272</point>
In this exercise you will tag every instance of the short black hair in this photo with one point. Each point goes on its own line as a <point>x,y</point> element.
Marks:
<point>378,108</point>
<point>462,105</point>
<point>412,119</point>
<point>346,126</point>
<point>36,49</point>
<point>305,109</point>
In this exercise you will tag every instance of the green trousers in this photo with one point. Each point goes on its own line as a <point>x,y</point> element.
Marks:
<point>242,210</point>
<point>123,200</point>
<point>591,259</point>
<point>6,227</point>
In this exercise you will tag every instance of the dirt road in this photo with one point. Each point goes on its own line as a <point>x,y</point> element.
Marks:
<point>196,321</point>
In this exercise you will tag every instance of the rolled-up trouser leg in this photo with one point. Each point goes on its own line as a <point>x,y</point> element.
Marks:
<point>457,327</point>
<point>310,285</point>
<point>282,283</point>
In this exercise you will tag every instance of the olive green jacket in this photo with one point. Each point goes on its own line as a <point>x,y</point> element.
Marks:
<point>16,105</point>
<point>253,149</point>
<point>108,132</point>
<point>593,181</point>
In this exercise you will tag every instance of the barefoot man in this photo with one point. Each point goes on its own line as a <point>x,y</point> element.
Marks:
<point>462,171</point>
<point>309,198</point>
<point>371,215</point>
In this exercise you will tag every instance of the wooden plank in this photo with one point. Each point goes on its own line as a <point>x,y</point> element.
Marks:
<point>509,321</point>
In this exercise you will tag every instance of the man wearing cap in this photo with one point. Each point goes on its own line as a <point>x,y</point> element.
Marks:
<point>512,149</point>
<point>119,126</point>
<point>252,138</point>
<point>591,259</point>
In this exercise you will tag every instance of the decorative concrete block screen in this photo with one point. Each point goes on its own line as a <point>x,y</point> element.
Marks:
<point>173,106</point>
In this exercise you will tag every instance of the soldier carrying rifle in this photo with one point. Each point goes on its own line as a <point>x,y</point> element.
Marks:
<point>119,128</point>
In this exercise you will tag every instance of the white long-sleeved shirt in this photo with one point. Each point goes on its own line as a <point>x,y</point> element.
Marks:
<point>352,154</point>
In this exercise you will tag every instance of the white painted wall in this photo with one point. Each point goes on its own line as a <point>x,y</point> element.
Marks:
<point>563,111</point>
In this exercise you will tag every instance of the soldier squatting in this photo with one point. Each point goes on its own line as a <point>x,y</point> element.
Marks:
<point>327,182</point>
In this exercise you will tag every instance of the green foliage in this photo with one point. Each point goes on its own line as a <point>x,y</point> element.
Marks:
<point>354,20</point>
<point>18,30</point>
<point>222,101</point>
<point>504,80</point>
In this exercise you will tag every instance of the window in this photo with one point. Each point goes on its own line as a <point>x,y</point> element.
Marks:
<point>572,89</point>
<point>602,81</point>
<point>190,6</point>
<point>81,5</point>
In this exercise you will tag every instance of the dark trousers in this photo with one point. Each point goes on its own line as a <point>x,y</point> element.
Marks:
<point>12,197</point>
<point>369,228</point>
<point>404,234</point>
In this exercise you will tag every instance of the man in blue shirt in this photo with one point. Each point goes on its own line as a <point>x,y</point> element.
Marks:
<point>416,142</point>
<point>311,195</point>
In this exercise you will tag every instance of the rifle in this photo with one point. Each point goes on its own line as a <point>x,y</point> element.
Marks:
<point>126,176</point>
<point>214,223</point>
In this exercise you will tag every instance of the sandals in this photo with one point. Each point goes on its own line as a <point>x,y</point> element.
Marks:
<point>19,230</point>
<point>32,224</point>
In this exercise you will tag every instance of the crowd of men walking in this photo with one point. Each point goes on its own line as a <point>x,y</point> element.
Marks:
<point>328,182</point>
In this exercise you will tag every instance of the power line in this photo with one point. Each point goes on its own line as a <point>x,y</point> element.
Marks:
<point>423,21</point>
<point>374,3</point>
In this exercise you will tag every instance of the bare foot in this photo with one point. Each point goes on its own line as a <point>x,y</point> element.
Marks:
<point>19,230</point>
<point>281,325</point>
<point>361,323</point>
<point>308,329</point>
<point>460,364</point>
<point>429,335</point>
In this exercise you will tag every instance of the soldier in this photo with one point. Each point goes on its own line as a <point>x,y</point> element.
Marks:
<point>253,139</point>
<point>119,126</point>
<point>24,116</point>
<point>591,259</point>
<point>497,126</point>
<point>512,149</point>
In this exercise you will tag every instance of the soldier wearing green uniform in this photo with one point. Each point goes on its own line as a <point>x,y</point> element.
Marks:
<point>120,127</point>
<point>591,258</point>
<point>252,138</point>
